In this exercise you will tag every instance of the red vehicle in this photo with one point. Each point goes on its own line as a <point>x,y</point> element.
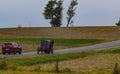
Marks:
<point>11,47</point>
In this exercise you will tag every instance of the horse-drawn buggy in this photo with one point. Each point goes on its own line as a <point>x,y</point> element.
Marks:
<point>46,47</point>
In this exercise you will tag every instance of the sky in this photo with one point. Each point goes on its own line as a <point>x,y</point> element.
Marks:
<point>29,13</point>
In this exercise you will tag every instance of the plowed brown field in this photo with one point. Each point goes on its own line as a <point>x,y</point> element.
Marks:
<point>112,32</point>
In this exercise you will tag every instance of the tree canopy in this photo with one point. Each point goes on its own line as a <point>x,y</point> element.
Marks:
<point>53,12</point>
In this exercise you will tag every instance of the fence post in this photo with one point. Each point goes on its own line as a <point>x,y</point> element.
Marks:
<point>115,69</point>
<point>57,66</point>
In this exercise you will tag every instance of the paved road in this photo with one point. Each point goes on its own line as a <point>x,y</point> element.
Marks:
<point>73,50</point>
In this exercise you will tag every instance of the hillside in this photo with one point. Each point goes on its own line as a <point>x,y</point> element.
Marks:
<point>112,33</point>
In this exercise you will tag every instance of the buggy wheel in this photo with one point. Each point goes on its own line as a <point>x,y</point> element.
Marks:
<point>9,53</point>
<point>3,53</point>
<point>14,52</point>
<point>52,52</point>
<point>20,52</point>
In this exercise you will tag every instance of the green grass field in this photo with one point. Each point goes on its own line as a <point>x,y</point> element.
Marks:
<point>57,41</point>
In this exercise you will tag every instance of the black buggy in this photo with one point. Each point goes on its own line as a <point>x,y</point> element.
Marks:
<point>46,47</point>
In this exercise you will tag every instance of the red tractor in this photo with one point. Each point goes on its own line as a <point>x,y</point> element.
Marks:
<point>11,47</point>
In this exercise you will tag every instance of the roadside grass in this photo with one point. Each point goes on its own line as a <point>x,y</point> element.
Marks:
<point>110,50</point>
<point>41,59</point>
<point>33,60</point>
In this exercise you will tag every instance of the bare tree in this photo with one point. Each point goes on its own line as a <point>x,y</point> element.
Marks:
<point>118,23</point>
<point>71,12</point>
